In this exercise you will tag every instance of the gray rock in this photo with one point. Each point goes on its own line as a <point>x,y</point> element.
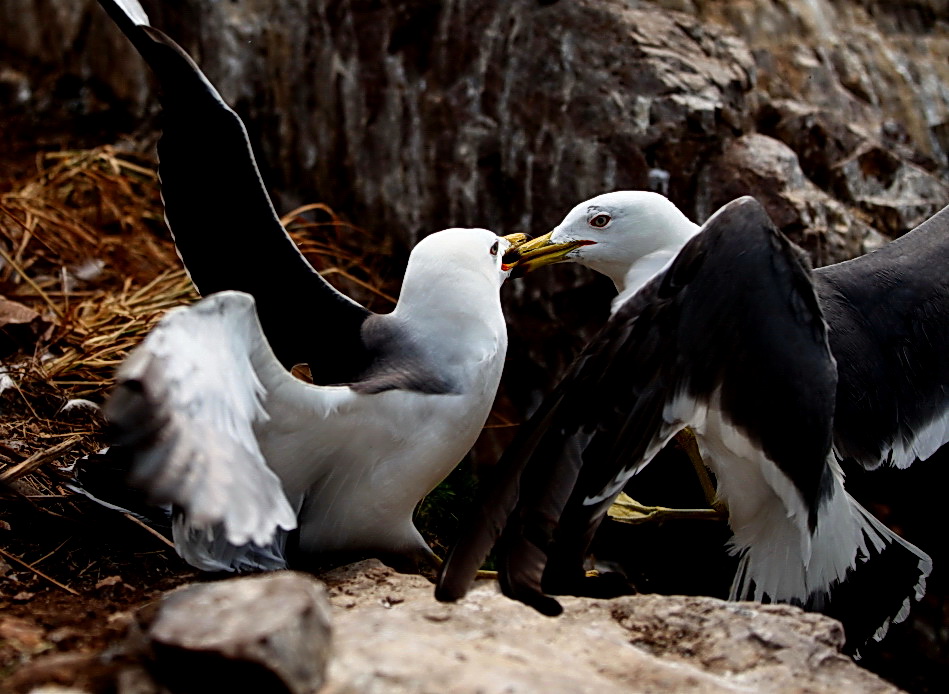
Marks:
<point>260,633</point>
<point>392,637</point>
<point>767,169</point>
<point>891,190</point>
<point>856,167</point>
<point>867,61</point>
<point>819,137</point>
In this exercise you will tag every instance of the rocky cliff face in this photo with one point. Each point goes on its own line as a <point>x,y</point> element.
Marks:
<point>416,115</point>
<point>880,64</point>
<point>419,114</point>
<point>408,116</point>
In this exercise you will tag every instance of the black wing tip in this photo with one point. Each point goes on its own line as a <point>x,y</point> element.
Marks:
<point>451,591</point>
<point>151,43</point>
<point>470,552</point>
<point>457,573</point>
<point>450,586</point>
<point>541,602</point>
<point>443,594</point>
<point>745,209</point>
<point>546,605</point>
<point>879,591</point>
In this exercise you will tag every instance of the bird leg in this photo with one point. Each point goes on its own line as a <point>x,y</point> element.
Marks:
<point>629,511</point>
<point>687,442</point>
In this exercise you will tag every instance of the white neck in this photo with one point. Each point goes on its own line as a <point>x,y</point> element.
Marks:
<point>629,279</point>
<point>457,318</point>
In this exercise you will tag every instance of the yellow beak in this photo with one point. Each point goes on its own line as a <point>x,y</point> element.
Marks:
<point>530,255</point>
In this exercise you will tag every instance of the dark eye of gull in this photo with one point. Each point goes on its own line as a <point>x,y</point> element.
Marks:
<point>600,221</point>
<point>494,248</point>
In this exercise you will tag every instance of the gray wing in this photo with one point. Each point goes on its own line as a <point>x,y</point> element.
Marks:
<point>224,224</point>
<point>734,318</point>
<point>888,313</point>
<point>186,403</point>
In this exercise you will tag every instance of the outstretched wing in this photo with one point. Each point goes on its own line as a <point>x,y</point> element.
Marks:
<point>733,324</point>
<point>889,329</point>
<point>186,403</point>
<point>222,219</point>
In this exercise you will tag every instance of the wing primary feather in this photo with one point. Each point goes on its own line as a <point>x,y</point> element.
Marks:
<point>888,313</point>
<point>186,403</point>
<point>497,497</point>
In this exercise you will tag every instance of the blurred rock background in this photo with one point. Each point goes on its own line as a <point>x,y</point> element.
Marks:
<point>407,116</point>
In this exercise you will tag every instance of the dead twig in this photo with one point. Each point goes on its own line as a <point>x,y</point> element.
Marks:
<point>37,459</point>
<point>39,573</point>
<point>149,529</point>
<point>47,556</point>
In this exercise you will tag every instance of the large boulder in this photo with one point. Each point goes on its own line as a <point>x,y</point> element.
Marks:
<point>270,632</point>
<point>392,637</point>
<point>769,170</point>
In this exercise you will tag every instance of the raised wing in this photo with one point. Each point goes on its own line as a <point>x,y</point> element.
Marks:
<point>889,331</point>
<point>186,403</point>
<point>732,323</point>
<point>222,219</point>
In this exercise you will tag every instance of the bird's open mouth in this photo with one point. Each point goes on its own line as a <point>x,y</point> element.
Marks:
<point>529,255</point>
<point>516,241</point>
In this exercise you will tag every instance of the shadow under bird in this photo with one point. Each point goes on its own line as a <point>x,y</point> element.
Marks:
<point>781,372</point>
<point>216,423</point>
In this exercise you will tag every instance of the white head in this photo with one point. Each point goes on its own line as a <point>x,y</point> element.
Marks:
<point>617,230</point>
<point>452,271</point>
<point>454,253</point>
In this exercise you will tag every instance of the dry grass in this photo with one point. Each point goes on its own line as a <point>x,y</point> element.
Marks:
<point>80,244</point>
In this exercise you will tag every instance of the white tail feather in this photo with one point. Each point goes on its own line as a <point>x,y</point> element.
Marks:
<point>780,559</point>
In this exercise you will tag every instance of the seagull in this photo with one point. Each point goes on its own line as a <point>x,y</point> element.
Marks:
<point>246,452</point>
<point>216,424</point>
<point>781,372</point>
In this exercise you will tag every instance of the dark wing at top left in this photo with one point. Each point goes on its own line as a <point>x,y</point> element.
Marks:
<point>223,222</point>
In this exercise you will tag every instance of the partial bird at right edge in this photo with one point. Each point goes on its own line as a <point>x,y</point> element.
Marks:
<point>781,372</point>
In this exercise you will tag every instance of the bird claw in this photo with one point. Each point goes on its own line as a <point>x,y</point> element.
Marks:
<point>629,511</point>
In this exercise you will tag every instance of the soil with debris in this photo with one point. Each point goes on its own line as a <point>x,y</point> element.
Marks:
<point>84,261</point>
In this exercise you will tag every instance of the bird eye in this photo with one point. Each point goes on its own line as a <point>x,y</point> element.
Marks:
<point>494,248</point>
<point>600,221</point>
